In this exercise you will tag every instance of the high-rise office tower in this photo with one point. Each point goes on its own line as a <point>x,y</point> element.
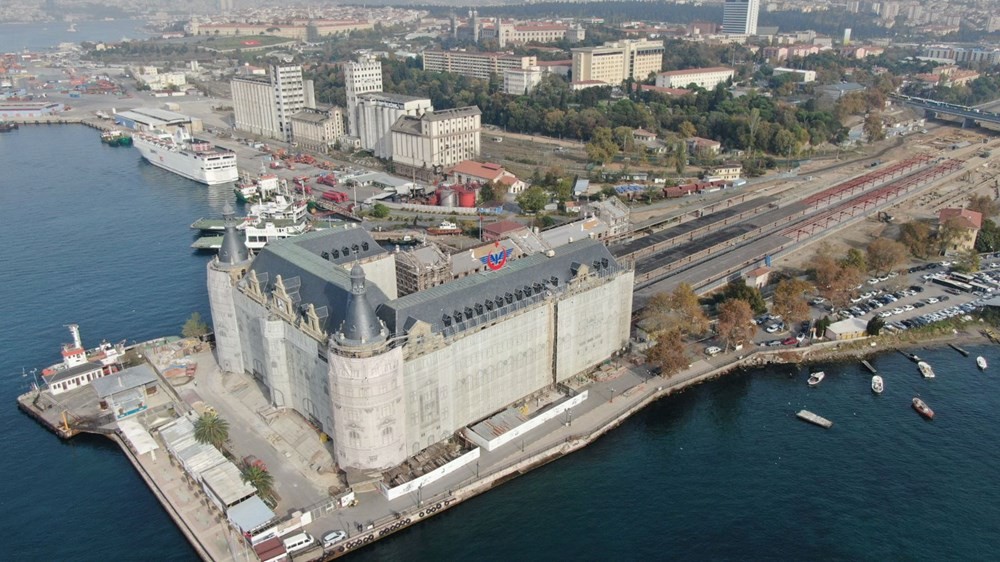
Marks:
<point>739,17</point>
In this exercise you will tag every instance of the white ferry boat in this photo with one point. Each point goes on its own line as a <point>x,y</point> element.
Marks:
<point>191,158</point>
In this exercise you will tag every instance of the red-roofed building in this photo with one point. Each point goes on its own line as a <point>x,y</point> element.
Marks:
<point>758,277</point>
<point>642,135</point>
<point>966,225</point>
<point>470,171</point>
<point>503,229</point>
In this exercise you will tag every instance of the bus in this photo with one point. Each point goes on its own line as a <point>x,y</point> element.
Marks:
<point>963,277</point>
<point>953,284</point>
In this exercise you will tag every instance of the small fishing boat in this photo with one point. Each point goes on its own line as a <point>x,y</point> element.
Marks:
<point>922,408</point>
<point>878,385</point>
<point>981,363</point>
<point>816,378</point>
<point>925,369</point>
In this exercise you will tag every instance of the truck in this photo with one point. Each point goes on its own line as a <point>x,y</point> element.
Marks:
<point>335,196</point>
<point>327,179</point>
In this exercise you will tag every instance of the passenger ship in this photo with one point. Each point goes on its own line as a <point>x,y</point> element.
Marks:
<point>191,158</point>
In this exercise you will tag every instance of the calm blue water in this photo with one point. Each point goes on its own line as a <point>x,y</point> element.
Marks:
<point>41,36</point>
<point>93,236</point>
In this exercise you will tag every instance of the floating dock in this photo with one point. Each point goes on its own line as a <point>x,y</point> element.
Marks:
<point>814,419</point>
<point>911,356</point>
<point>869,366</point>
<point>208,243</point>
<point>959,349</point>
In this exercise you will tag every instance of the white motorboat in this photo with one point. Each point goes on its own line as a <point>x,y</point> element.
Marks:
<point>878,385</point>
<point>981,363</point>
<point>925,369</point>
<point>816,378</point>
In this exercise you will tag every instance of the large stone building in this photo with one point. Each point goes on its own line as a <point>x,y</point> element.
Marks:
<point>521,81</point>
<point>615,62</point>
<point>424,145</point>
<point>316,320</point>
<point>378,112</point>
<point>361,77</point>
<point>318,129</point>
<point>264,106</point>
<point>474,65</point>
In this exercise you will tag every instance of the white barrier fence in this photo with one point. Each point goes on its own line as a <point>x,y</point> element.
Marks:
<point>526,426</point>
<point>417,483</point>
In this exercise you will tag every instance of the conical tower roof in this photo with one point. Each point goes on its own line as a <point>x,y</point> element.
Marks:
<point>234,248</point>
<point>360,323</point>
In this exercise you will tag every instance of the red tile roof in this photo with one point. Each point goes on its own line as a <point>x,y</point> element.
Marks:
<point>503,227</point>
<point>484,170</point>
<point>963,217</point>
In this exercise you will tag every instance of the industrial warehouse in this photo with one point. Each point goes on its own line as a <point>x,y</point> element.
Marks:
<point>317,320</point>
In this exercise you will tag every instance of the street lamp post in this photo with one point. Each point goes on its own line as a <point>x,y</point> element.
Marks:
<point>612,395</point>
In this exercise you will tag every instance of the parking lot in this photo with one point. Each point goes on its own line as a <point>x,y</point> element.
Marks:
<point>909,299</point>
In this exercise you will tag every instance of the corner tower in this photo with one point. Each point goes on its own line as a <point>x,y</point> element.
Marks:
<point>366,382</point>
<point>223,273</point>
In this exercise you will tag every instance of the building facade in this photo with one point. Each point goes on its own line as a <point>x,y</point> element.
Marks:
<point>474,65</point>
<point>521,81</point>
<point>707,78</point>
<point>377,112</point>
<point>433,141</point>
<point>361,77</point>
<point>739,17</point>
<point>264,106</point>
<point>615,62</point>
<point>318,129</point>
<point>387,377</point>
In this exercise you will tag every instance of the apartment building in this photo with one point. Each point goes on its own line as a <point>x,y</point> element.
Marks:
<point>617,61</point>
<point>521,81</point>
<point>739,17</point>
<point>474,65</point>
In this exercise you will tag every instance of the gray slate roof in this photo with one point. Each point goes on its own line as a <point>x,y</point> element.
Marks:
<point>311,277</point>
<point>491,294</point>
<point>71,372</point>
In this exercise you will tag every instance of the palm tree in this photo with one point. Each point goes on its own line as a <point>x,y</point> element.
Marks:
<point>210,428</point>
<point>260,478</point>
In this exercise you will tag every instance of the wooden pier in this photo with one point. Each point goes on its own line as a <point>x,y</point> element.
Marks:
<point>959,349</point>
<point>814,419</point>
<point>869,366</point>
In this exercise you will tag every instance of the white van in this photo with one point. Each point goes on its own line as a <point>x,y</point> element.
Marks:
<point>298,542</point>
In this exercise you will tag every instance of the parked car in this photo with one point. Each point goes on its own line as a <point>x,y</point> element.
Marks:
<point>712,351</point>
<point>789,341</point>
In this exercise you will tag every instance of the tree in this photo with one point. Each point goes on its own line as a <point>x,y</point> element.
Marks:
<point>968,261</point>
<point>736,325</point>
<point>380,211</point>
<point>194,327</point>
<point>855,258</point>
<point>790,300</point>
<point>669,354</point>
<point>687,129</point>
<point>949,232</point>
<point>983,204</point>
<point>884,254</point>
<point>916,236</point>
<point>873,127</point>
<point>678,310</point>
<point>601,148</point>
<point>741,291</point>
<point>260,478</point>
<point>210,428</point>
<point>533,199</point>
<point>821,325</point>
<point>988,238</point>
<point>874,326</point>
<point>685,301</point>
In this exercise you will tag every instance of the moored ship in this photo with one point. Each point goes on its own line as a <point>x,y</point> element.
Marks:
<point>116,137</point>
<point>7,126</point>
<point>191,158</point>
